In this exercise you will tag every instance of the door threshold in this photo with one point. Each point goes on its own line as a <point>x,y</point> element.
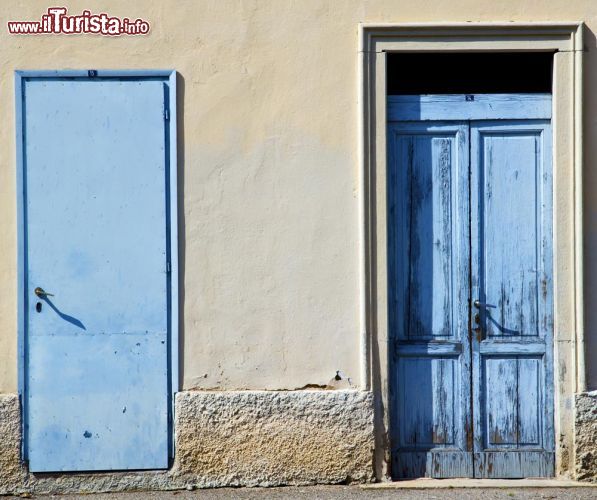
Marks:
<point>431,484</point>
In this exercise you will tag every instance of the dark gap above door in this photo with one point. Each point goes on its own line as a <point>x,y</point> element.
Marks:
<point>469,73</point>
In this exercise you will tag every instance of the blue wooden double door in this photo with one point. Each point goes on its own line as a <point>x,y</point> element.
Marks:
<point>96,282</point>
<point>470,286</point>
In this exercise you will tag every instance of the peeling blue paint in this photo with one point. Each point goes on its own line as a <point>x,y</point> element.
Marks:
<point>469,219</point>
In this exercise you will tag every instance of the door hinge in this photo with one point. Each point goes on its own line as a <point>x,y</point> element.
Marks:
<point>167,114</point>
<point>167,267</point>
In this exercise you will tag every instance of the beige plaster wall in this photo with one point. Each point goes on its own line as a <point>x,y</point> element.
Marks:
<point>268,139</point>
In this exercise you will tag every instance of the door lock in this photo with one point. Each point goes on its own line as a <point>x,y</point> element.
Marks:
<point>40,292</point>
<point>479,330</point>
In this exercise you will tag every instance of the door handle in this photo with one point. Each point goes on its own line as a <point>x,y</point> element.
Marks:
<point>480,305</point>
<point>40,292</point>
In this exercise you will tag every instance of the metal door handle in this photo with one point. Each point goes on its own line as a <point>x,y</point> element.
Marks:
<point>479,305</point>
<point>40,292</point>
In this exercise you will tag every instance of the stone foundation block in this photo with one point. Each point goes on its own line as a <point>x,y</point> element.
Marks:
<point>585,434</point>
<point>11,473</point>
<point>275,438</point>
<point>226,439</point>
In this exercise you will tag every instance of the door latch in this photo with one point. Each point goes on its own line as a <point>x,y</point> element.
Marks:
<point>479,332</point>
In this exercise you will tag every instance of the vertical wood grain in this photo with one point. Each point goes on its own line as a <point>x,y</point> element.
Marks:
<point>512,272</point>
<point>428,248</point>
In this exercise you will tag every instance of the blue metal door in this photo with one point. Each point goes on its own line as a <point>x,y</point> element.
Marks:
<point>470,286</point>
<point>96,273</point>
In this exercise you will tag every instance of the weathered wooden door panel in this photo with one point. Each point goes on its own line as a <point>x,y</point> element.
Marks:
<point>95,205</point>
<point>512,279</point>
<point>428,263</point>
<point>472,338</point>
<point>513,465</point>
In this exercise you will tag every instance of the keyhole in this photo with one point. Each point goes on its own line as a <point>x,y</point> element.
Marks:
<point>38,307</point>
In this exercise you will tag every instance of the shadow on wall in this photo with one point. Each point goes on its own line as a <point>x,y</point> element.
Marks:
<point>590,204</point>
<point>180,91</point>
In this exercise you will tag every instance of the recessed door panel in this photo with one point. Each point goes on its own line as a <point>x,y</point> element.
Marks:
<point>513,394</point>
<point>428,234</point>
<point>428,422</point>
<point>510,279</point>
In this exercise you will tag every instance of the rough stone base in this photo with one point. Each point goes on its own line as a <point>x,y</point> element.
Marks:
<point>11,473</point>
<point>275,438</point>
<point>585,435</point>
<point>228,439</point>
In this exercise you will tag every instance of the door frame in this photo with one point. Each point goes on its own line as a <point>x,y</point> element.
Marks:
<point>566,41</point>
<point>172,207</point>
